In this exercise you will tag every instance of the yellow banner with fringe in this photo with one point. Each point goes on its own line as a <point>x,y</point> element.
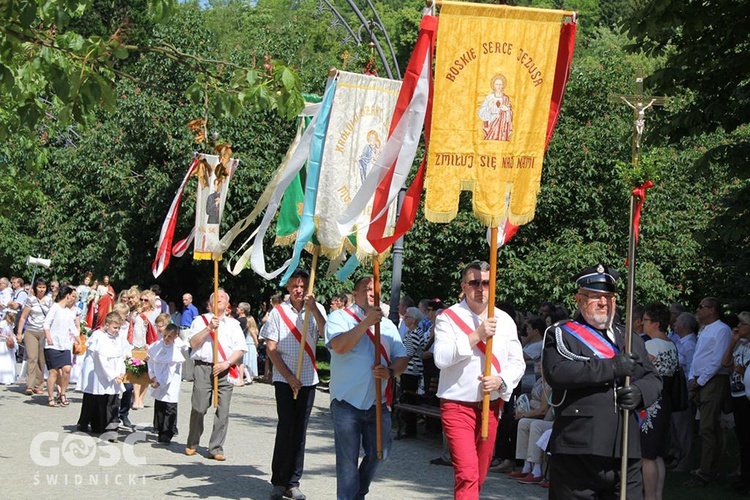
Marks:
<point>494,75</point>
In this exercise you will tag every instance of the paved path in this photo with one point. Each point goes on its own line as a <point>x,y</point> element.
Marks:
<point>41,457</point>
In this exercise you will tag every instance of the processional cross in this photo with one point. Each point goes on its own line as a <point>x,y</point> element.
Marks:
<point>639,103</point>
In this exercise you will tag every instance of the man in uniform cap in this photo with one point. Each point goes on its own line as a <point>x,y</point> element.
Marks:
<point>585,363</point>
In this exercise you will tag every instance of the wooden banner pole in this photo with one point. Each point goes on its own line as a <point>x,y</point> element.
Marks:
<point>490,314</point>
<point>216,333</point>
<point>303,339</point>
<point>378,384</point>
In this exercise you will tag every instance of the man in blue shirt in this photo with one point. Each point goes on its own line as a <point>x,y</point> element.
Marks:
<point>350,337</point>
<point>189,313</point>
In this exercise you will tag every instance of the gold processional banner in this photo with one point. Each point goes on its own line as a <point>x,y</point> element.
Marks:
<point>494,74</point>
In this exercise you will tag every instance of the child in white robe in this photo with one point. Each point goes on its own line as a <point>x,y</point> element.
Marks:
<point>102,376</point>
<point>165,359</point>
<point>8,346</point>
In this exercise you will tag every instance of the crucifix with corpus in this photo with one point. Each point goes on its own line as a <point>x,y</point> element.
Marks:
<point>639,103</point>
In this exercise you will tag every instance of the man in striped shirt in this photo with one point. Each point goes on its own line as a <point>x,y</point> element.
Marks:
<point>284,332</point>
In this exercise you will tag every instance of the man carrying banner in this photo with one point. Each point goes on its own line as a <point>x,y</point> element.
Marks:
<point>231,348</point>
<point>350,337</point>
<point>283,333</point>
<point>459,352</point>
<point>585,363</point>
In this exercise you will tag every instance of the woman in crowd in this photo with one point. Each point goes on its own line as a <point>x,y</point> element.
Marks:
<point>249,367</point>
<point>533,420</point>
<point>8,349</point>
<point>655,425</point>
<point>737,356</point>
<point>144,334</point>
<point>31,329</point>
<point>267,366</point>
<point>414,341</point>
<point>60,333</point>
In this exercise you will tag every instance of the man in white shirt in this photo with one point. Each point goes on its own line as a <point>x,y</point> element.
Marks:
<point>461,332</point>
<point>231,349</point>
<point>294,396</point>
<point>18,295</point>
<point>709,383</point>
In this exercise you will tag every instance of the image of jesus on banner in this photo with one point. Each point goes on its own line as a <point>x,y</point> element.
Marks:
<point>496,112</point>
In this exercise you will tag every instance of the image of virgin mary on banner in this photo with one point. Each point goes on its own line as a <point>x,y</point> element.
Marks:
<point>360,119</point>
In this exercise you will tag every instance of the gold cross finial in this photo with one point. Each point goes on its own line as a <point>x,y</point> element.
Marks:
<point>345,57</point>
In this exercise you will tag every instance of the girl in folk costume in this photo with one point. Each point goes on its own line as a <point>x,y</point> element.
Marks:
<point>144,334</point>
<point>165,359</point>
<point>102,378</point>
<point>7,349</point>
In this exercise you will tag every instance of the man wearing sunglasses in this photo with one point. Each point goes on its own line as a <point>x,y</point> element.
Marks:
<point>461,332</point>
<point>585,363</point>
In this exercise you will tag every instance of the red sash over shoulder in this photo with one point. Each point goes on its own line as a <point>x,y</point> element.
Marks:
<point>297,334</point>
<point>151,334</point>
<point>383,353</point>
<point>234,372</point>
<point>461,324</point>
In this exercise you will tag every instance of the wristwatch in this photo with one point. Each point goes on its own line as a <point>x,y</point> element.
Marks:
<point>391,372</point>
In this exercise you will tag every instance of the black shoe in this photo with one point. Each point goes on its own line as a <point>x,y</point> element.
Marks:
<point>440,461</point>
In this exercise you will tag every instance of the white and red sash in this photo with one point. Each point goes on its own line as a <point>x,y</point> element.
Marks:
<point>234,372</point>
<point>461,324</point>
<point>297,334</point>
<point>151,334</point>
<point>383,354</point>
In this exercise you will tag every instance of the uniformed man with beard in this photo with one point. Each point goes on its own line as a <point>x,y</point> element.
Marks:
<point>585,363</point>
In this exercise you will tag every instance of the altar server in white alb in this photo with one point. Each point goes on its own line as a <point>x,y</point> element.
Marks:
<point>165,359</point>
<point>102,376</point>
<point>461,333</point>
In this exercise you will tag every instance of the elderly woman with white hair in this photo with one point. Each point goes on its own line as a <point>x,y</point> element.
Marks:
<point>737,356</point>
<point>414,341</point>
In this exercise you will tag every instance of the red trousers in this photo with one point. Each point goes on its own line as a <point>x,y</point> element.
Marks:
<point>471,455</point>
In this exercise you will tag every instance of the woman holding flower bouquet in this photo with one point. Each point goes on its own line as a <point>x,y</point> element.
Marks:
<point>61,333</point>
<point>144,334</point>
<point>102,378</point>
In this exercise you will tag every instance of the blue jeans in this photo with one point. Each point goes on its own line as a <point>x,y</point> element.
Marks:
<point>353,427</point>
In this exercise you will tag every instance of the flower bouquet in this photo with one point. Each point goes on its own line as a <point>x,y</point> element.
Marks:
<point>136,369</point>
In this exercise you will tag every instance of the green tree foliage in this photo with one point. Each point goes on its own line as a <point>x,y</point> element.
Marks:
<point>94,196</point>
<point>706,47</point>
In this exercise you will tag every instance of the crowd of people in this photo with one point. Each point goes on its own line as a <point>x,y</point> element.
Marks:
<point>559,389</point>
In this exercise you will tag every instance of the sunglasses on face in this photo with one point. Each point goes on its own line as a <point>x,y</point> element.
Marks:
<point>478,283</point>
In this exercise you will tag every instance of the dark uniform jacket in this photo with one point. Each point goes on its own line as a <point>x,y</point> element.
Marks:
<point>587,420</point>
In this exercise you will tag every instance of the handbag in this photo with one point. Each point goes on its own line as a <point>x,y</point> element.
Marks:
<point>678,393</point>
<point>10,343</point>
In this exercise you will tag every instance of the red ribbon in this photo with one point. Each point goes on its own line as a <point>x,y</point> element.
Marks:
<point>640,193</point>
